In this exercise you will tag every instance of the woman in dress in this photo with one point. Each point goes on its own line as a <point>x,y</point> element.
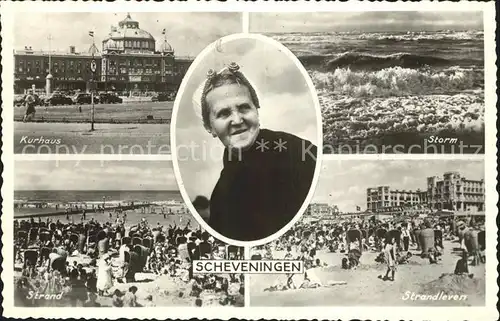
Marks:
<point>266,175</point>
<point>104,276</point>
<point>390,258</point>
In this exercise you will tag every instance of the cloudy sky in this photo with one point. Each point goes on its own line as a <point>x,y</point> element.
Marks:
<point>188,33</point>
<point>286,105</point>
<point>365,21</point>
<point>94,175</point>
<point>344,183</point>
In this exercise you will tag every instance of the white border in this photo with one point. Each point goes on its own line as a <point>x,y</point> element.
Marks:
<point>173,137</point>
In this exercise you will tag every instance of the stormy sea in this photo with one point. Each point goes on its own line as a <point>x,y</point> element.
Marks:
<point>386,92</point>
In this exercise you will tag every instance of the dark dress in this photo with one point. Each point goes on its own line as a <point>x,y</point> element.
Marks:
<point>260,190</point>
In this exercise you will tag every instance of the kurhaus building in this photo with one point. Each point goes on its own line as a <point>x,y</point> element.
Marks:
<point>129,61</point>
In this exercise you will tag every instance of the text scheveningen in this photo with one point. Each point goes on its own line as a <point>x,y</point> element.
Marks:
<point>247,266</point>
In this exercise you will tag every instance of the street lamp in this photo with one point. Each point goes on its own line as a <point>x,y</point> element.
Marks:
<point>49,77</point>
<point>93,68</point>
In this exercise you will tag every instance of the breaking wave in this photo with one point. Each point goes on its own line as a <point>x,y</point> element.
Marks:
<point>355,60</point>
<point>398,81</point>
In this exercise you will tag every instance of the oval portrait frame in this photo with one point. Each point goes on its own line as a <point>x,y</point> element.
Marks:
<point>173,137</point>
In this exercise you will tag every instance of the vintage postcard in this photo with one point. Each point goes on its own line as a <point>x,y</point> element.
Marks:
<point>254,160</point>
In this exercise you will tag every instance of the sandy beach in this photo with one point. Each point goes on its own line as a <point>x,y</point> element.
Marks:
<point>364,288</point>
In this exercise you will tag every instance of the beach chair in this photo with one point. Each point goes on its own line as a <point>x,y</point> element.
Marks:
<point>233,251</point>
<point>126,240</point>
<point>24,225</point>
<point>396,234</point>
<point>44,253</point>
<point>22,238</point>
<point>33,235</point>
<point>143,253</point>
<point>82,240</point>
<point>205,249</point>
<point>74,238</point>
<point>59,264</point>
<point>111,234</point>
<point>481,239</point>
<point>191,249</point>
<point>256,257</point>
<point>30,260</point>
<point>136,241</point>
<point>181,240</point>
<point>102,235</point>
<point>353,236</point>
<point>147,242</point>
<point>438,238</point>
<point>52,227</point>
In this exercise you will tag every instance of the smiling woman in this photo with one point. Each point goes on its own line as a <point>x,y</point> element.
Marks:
<point>260,180</point>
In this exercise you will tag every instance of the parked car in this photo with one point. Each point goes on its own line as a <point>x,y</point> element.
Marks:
<point>164,97</point>
<point>109,98</point>
<point>84,98</point>
<point>57,99</point>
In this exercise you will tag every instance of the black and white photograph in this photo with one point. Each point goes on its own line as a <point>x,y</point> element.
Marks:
<point>112,234</point>
<point>391,81</point>
<point>247,127</point>
<point>384,233</point>
<point>104,83</point>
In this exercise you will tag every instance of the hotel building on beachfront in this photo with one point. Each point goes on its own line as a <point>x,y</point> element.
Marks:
<point>383,197</point>
<point>454,192</point>
<point>321,209</point>
<point>129,61</point>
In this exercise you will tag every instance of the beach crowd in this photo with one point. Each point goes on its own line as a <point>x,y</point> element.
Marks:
<point>81,264</point>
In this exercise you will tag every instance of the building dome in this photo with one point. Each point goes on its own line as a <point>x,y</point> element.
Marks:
<point>166,47</point>
<point>129,28</point>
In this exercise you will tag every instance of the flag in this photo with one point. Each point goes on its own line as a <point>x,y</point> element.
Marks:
<point>91,33</point>
<point>164,31</point>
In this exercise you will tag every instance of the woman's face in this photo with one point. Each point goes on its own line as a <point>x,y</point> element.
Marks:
<point>233,116</point>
